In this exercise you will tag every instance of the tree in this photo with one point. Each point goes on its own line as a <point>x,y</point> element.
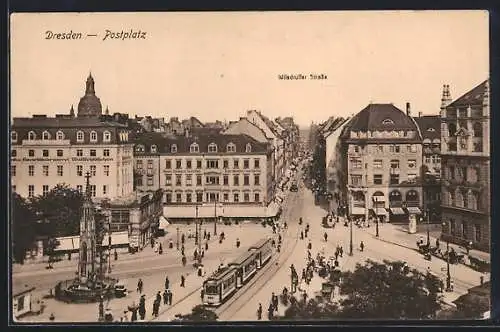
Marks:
<point>389,290</point>
<point>312,309</point>
<point>62,208</point>
<point>200,313</point>
<point>22,226</point>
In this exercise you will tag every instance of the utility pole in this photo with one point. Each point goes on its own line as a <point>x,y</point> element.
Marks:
<point>196,225</point>
<point>215,214</point>
<point>448,275</point>
<point>428,235</point>
<point>109,246</point>
<point>177,243</point>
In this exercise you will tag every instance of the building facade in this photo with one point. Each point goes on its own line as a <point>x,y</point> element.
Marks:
<point>465,157</point>
<point>383,146</point>
<point>49,151</point>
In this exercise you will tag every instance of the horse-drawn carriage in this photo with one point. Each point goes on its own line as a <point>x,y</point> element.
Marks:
<point>428,251</point>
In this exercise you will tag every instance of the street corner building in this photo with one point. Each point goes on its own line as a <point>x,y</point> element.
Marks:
<point>465,157</point>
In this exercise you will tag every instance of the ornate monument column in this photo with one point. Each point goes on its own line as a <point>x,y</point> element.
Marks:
<point>87,264</point>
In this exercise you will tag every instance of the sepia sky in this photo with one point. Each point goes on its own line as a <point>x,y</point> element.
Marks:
<point>218,65</point>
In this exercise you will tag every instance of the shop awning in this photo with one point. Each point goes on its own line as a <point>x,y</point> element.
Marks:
<point>209,211</point>
<point>163,223</point>
<point>71,243</point>
<point>397,211</point>
<point>272,210</point>
<point>380,211</point>
<point>414,210</point>
<point>358,211</point>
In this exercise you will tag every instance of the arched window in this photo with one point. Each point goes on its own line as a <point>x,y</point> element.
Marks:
<point>459,199</point>
<point>173,148</point>
<point>412,196</point>
<point>452,129</point>
<point>478,129</point>
<point>387,122</point>
<point>231,148</point>
<point>106,136</point>
<point>153,148</point>
<point>248,148</point>
<point>358,196</point>
<point>212,147</point>
<point>80,136</point>
<point>93,136</point>
<point>45,135</point>
<point>13,136</point>
<point>194,148</point>
<point>59,135</point>
<point>31,136</point>
<point>395,198</point>
<point>378,196</point>
<point>451,198</point>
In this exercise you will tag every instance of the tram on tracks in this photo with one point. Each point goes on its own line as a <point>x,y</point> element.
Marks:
<point>226,281</point>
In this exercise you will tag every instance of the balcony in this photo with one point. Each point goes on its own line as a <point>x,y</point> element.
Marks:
<point>51,142</point>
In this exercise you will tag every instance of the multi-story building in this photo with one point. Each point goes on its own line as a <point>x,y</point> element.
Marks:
<point>207,176</point>
<point>430,128</point>
<point>383,146</point>
<point>48,151</point>
<point>465,160</point>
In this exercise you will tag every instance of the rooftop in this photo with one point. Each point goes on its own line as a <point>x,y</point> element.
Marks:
<point>430,126</point>
<point>381,117</point>
<point>472,97</point>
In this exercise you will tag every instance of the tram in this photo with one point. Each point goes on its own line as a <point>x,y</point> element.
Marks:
<point>264,250</point>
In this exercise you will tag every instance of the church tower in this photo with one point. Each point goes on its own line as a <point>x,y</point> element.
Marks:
<point>90,104</point>
<point>87,264</point>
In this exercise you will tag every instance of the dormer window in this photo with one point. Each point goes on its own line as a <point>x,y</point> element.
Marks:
<point>59,135</point>
<point>248,148</point>
<point>93,136</point>
<point>31,136</point>
<point>139,148</point>
<point>194,148</point>
<point>231,148</point>
<point>106,136</point>
<point>13,136</point>
<point>387,122</point>
<point>431,130</point>
<point>153,148</point>
<point>173,148</point>
<point>212,147</point>
<point>80,136</point>
<point>45,135</point>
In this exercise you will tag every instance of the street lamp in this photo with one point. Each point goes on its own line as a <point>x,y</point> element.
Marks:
<point>427,212</point>
<point>196,225</point>
<point>376,226</point>
<point>350,223</point>
<point>177,243</point>
<point>448,274</point>
<point>215,215</point>
<point>101,309</point>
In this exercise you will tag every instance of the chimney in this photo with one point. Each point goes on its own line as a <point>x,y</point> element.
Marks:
<point>419,114</point>
<point>408,110</point>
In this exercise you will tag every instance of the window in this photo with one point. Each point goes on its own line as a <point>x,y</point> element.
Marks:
<point>31,170</point>
<point>212,180</point>
<point>225,164</point>
<point>377,163</point>
<point>248,148</point>
<point>189,179</point>
<point>256,163</point>
<point>139,164</point>
<point>79,170</point>
<point>477,233</point>
<point>45,135</point>
<point>189,197</point>
<point>246,180</point>
<point>226,180</point>
<point>150,181</point>
<point>173,148</point>
<point>168,197</point>
<point>106,136</point>
<point>199,197</point>
<point>246,197</point>
<point>231,148</point>
<point>105,153</point>
<point>153,148</point>
<point>436,159</point>
<point>411,148</point>
<point>139,181</point>
<point>212,147</point>
<point>13,170</point>
<point>45,153</point>
<point>31,191</point>
<point>31,153</point>
<point>92,190</point>
<point>60,170</point>
<point>394,179</point>
<point>236,197</point>
<point>189,164</point>
<point>45,190</point>
<point>356,163</point>
<point>198,164</point>
<point>93,136</point>
<point>79,187</point>
<point>464,174</point>
<point>387,122</point>
<point>246,164</point>
<point>380,148</point>
<point>178,179</point>
<point>139,148</point>
<point>451,172</point>
<point>355,148</point>
<point>80,136</point>
<point>377,178</point>
<point>93,169</point>
<point>356,180</point>
<point>79,153</point>
<point>394,148</point>
<point>178,164</point>
<point>60,153</point>
<point>104,189</point>
<point>236,180</point>
<point>463,228</point>
<point>412,177</point>
<point>13,153</point>
<point>236,163</point>
<point>198,180</point>
<point>256,197</point>
<point>412,163</point>
<point>256,180</point>
<point>427,159</point>
<point>194,148</point>
<point>106,170</point>
<point>394,163</point>
<point>13,136</point>
<point>168,164</point>
<point>168,179</point>
<point>31,136</point>
<point>478,129</point>
<point>212,164</point>
<point>226,197</point>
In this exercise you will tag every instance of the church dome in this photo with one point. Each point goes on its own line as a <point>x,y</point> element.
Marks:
<point>90,104</point>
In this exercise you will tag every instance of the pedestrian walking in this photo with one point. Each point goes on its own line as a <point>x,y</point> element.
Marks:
<point>183,239</point>
<point>202,293</point>
<point>270,312</point>
<point>170,295</point>
<point>133,317</point>
<point>165,296</point>
<point>304,296</point>
<point>167,283</point>
<point>208,236</point>
<point>238,243</point>
<point>139,286</point>
<point>341,251</point>
<point>303,274</point>
<point>302,235</point>
<point>152,242</point>
<point>156,308</point>
<point>116,255</point>
<point>259,312</point>
<point>336,254</point>
<point>326,237</point>
<point>206,245</point>
<point>362,246</point>
<point>142,308</point>
<point>160,249</point>
<point>183,281</point>
<point>182,250</point>
<point>183,260</point>
<point>204,234</point>
<point>437,243</point>
<point>309,246</point>
<point>158,297</point>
